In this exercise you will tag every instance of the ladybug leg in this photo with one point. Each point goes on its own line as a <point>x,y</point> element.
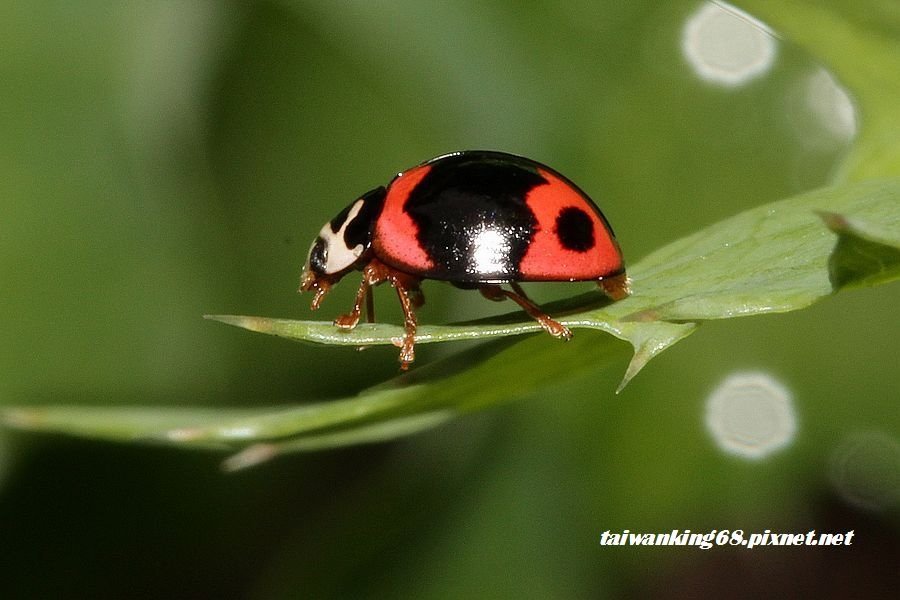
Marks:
<point>408,298</point>
<point>351,319</point>
<point>416,297</point>
<point>493,293</point>
<point>370,307</point>
<point>517,295</point>
<point>615,287</point>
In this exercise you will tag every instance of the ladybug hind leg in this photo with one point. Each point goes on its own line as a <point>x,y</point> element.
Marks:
<point>517,295</point>
<point>616,287</point>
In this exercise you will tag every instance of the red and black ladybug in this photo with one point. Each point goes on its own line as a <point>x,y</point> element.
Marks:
<point>477,219</point>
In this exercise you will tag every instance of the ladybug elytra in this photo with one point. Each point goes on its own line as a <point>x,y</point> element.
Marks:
<point>477,219</point>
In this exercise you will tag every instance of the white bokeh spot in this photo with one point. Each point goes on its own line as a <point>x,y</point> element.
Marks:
<point>865,470</point>
<point>725,45</point>
<point>751,415</point>
<point>831,104</point>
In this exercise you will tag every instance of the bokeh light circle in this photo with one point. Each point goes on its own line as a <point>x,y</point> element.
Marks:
<point>751,415</point>
<point>727,46</point>
<point>865,470</point>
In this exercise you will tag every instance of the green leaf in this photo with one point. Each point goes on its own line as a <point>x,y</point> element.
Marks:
<point>768,259</point>
<point>860,43</point>
<point>774,258</point>
<point>483,376</point>
<point>866,253</point>
<point>648,338</point>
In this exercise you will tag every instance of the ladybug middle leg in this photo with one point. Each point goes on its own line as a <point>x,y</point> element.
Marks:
<point>517,295</point>
<point>408,299</point>
<point>408,292</point>
<point>370,307</point>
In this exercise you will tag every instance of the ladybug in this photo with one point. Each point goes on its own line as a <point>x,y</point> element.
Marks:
<point>477,219</point>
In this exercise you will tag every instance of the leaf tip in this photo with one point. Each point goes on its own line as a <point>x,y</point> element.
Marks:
<point>638,361</point>
<point>257,324</point>
<point>646,347</point>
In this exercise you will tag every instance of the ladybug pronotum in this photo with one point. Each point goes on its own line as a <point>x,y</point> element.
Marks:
<point>476,219</point>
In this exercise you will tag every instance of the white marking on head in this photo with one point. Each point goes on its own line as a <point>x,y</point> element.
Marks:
<point>338,256</point>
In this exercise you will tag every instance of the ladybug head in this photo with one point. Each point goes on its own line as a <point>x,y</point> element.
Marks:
<point>342,245</point>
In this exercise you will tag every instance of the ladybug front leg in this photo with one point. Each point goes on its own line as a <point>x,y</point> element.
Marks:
<point>351,319</point>
<point>551,326</point>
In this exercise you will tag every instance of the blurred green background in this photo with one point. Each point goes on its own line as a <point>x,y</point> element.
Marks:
<point>161,160</point>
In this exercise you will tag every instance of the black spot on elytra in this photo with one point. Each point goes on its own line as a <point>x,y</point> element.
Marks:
<point>464,195</point>
<point>575,229</point>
